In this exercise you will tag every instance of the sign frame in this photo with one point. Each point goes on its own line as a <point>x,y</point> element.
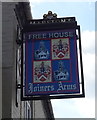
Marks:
<point>38,25</point>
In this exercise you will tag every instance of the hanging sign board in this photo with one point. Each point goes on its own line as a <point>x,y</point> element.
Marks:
<point>51,63</point>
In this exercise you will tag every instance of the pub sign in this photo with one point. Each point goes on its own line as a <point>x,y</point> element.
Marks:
<point>51,62</point>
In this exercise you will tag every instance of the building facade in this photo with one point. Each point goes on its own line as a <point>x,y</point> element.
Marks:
<point>14,16</point>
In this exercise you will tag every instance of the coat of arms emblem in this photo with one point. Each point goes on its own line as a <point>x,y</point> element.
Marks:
<point>61,74</point>
<point>60,48</point>
<point>42,71</point>
<point>41,52</point>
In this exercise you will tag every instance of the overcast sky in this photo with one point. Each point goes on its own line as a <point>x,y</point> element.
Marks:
<point>85,15</point>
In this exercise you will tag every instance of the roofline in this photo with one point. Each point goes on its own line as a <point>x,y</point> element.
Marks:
<point>25,9</point>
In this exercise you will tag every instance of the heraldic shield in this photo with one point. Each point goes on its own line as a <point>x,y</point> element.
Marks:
<point>60,48</point>
<point>42,71</point>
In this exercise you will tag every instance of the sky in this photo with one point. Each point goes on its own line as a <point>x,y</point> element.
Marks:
<point>85,16</point>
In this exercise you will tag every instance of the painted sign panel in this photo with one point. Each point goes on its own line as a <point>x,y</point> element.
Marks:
<point>51,63</point>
